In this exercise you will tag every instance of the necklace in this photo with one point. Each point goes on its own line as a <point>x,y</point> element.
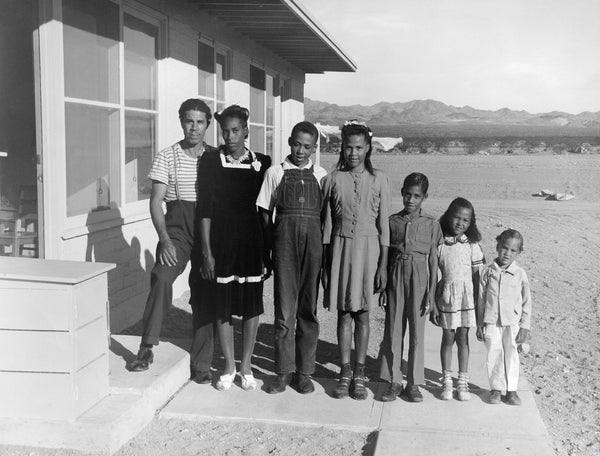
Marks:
<point>237,161</point>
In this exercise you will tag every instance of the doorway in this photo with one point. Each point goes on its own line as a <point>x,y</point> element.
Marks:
<point>19,215</point>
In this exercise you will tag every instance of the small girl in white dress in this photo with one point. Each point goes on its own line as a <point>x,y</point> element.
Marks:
<point>460,260</point>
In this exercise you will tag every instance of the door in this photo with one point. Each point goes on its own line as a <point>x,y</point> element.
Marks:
<point>19,217</point>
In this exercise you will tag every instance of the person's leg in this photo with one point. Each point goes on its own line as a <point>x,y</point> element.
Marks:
<point>448,336</point>
<point>494,361</point>
<point>361,335</point>
<point>158,302</point>
<point>307,323</point>
<point>361,341</point>
<point>511,363</point>
<point>203,323</point>
<point>462,342</point>
<point>249,331</point>
<point>286,289</point>
<point>225,330</point>
<point>344,334</point>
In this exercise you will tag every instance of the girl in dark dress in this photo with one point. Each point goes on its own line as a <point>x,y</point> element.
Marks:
<point>231,239</point>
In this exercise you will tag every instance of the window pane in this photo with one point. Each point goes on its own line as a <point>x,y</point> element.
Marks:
<point>139,151</point>
<point>209,137</point>
<point>257,138</point>
<point>141,53</point>
<point>269,145</point>
<point>221,75</point>
<point>220,141</point>
<point>206,70</point>
<point>92,150</point>
<point>270,100</point>
<point>91,54</point>
<point>257,105</point>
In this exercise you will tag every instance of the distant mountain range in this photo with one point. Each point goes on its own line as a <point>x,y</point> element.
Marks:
<point>431,112</point>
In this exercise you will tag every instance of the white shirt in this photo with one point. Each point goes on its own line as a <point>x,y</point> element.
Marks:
<point>267,198</point>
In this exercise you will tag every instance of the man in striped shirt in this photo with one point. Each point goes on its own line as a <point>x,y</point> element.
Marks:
<point>174,174</point>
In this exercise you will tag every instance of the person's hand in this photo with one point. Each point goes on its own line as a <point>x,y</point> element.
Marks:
<point>480,334</point>
<point>380,280</point>
<point>434,316</point>
<point>382,299</point>
<point>207,269</point>
<point>428,304</point>
<point>267,266</point>
<point>522,335</point>
<point>324,279</point>
<point>167,254</point>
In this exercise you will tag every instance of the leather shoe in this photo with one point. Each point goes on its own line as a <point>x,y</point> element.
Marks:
<point>495,397</point>
<point>142,361</point>
<point>512,398</point>
<point>202,378</point>
<point>278,386</point>
<point>303,384</point>
<point>392,391</point>
<point>413,394</point>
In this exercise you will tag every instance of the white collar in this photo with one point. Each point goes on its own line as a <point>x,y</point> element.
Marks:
<point>288,164</point>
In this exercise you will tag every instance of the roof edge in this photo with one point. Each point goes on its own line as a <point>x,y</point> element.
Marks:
<point>301,13</point>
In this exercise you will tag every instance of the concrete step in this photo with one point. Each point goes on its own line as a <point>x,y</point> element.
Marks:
<point>132,403</point>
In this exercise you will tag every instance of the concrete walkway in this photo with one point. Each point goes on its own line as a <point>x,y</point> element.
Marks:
<point>431,427</point>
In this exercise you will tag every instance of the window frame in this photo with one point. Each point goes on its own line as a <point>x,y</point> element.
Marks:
<point>137,210</point>
<point>214,102</point>
<point>273,126</point>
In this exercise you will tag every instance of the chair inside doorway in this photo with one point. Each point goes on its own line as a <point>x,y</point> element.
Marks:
<point>19,228</point>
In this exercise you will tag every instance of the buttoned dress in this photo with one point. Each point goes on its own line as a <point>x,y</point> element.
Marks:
<point>356,212</point>
<point>454,294</point>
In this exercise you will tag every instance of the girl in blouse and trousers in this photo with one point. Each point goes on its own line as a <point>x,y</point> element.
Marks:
<point>356,239</point>
<point>231,240</point>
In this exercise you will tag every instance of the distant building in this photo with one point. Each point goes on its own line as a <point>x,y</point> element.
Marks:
<point>89,92</point>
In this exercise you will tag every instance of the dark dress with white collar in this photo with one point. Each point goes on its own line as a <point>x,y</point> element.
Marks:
<point>227,192</point>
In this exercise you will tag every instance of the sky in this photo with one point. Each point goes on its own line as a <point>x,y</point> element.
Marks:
<point>533,55</point>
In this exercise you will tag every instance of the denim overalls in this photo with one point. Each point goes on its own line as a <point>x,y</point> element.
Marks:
<point>297,263</point>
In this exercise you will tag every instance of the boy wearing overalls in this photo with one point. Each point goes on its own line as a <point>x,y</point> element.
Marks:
<point>292,190</point>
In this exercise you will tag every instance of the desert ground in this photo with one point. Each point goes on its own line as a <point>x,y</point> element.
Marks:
<point>562,240</point>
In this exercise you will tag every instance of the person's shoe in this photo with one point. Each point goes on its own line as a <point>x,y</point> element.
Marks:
<point>303,384</point>
<point>278,386</point>
<point>392,391</point>
<point>413,394</point>
<point>447,390</point>
<point>202,378</point>
<point>495,397</point>
<point>248,382</point>
<point>358,391</point>
<point>226,380</point>
<point>462,387</point>
<point>512,398</point>
<point>142,361</point>
<point>343,387</point>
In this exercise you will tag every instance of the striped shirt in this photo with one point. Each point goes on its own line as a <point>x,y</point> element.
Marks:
<point>172,159</point>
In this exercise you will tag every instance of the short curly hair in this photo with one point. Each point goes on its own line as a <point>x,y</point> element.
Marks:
<point>510,234</point>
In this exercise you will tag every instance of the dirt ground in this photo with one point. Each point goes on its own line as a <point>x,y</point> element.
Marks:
<point>562,240</point>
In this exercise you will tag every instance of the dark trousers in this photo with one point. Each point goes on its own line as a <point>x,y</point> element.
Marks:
<point>179,221</point>
<point>297,263</point>
<point>203,316</point>
<point>406,294</point>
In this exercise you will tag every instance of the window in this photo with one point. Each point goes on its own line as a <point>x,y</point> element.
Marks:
<point>110,107</point>
<point>262,110</point>
<point>212,74</point>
